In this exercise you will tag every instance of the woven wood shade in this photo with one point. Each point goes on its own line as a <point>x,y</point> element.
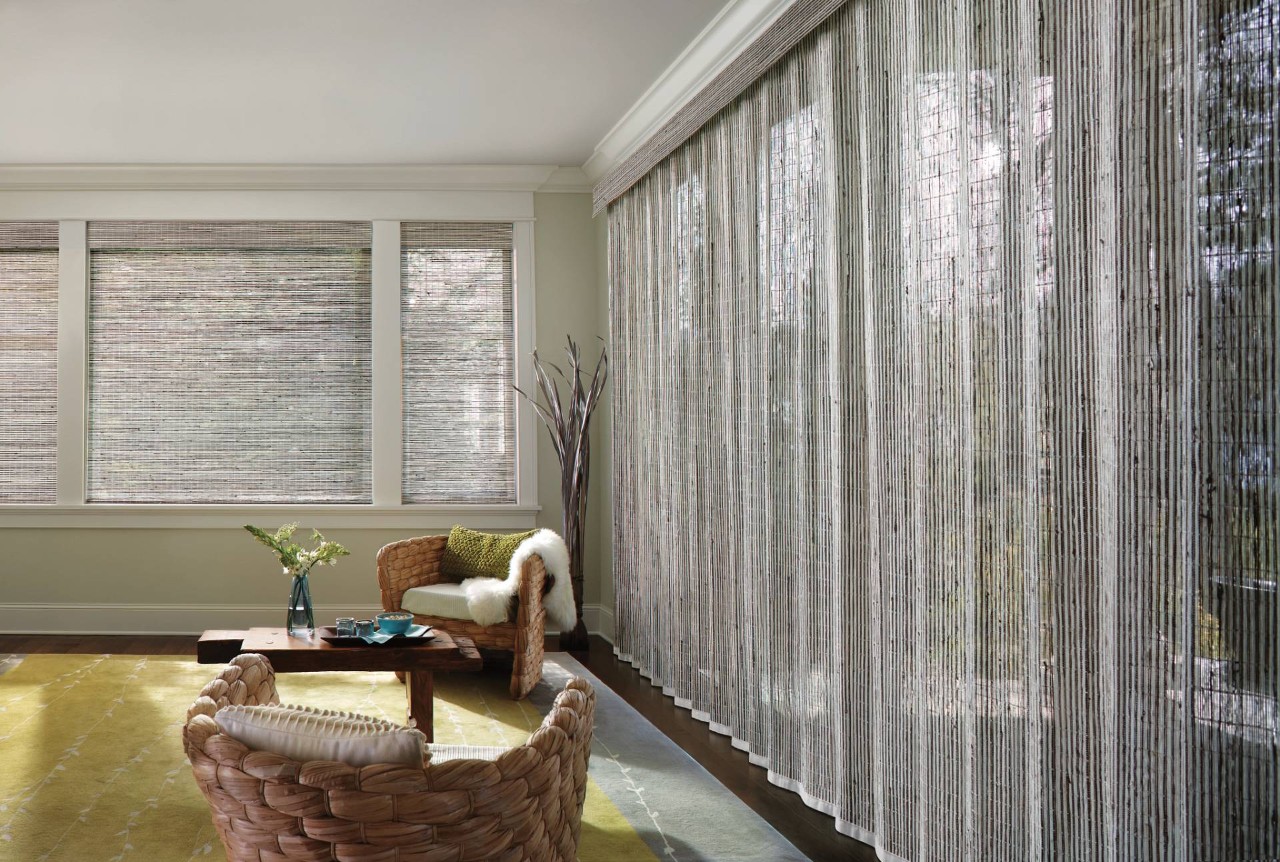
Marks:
<point>229,362</point>
<point>458,352</point>
<point>947,477</point>
<point>28,361</point>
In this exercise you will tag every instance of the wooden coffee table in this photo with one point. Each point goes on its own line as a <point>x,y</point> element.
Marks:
<point>313,655</point>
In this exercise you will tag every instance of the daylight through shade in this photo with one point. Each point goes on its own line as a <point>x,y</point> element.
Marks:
<point>229,362</point>
<point>944,433</point>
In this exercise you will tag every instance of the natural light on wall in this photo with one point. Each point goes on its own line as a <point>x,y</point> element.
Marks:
<point>947,466</point>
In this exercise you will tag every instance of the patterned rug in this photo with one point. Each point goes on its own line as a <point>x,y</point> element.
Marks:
<point>93,767</point>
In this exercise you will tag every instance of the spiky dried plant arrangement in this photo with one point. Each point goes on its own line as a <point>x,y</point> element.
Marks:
<point>569,424</point>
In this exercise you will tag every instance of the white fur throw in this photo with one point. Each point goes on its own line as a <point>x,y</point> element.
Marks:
<point>489,598</point>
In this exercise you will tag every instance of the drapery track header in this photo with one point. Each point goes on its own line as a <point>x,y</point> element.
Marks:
<point>785,33</point>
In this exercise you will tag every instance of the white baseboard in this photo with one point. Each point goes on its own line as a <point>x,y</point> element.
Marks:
<point>122,619</point>
<point>599,621</point>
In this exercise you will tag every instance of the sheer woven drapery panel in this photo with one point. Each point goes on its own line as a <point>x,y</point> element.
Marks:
<point>731,461</point>
<point>229,362</point>
<point>458,353</point>
<point>945,432</point>
<point>28,362</point>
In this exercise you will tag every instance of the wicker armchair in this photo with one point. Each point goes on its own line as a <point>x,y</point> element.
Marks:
<point>525,806</point>
<point>416,563</point>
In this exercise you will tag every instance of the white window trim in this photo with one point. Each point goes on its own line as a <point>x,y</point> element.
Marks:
<point>73,361</point>
<point>388,388</point>
<point>462,194</point>
<point>428,519</point>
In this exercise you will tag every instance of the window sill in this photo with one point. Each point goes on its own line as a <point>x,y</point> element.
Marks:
<point>217,517</point>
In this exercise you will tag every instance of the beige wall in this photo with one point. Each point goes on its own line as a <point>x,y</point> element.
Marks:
<point>175,567</point>
<point>602,470</point>
<point>574,305</point>
<point>208,577</point>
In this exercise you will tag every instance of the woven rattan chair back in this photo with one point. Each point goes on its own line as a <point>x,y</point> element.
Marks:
<point>525,806</point>
<point>416,562</point>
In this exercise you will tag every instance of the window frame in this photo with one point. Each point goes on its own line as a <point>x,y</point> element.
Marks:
<point>258,195</point>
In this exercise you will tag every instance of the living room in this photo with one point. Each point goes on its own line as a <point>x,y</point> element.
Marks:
<point>791,429</point>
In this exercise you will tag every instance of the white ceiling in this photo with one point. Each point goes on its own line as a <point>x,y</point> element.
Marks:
<point>328,81</point>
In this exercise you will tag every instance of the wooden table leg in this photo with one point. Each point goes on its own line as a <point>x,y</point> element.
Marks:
<point>418,685</point>
<point>219,647</point>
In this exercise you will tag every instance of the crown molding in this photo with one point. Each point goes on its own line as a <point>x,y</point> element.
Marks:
<point>737,25</point>
<point>567,181</point>
<point>502,178</point>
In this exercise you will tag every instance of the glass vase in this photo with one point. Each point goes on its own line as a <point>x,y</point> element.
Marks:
<point>302,617</point>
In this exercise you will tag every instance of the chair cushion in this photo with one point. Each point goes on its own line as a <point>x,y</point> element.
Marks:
<point>437,600</point>
<point>303,733</point>
<point>470,554</point>
<point>444,753</point>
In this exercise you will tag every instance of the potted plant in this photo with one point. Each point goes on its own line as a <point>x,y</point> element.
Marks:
<point>298,563</point>
<point>568,423</point>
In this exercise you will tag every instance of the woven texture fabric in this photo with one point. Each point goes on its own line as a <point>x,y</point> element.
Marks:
<point>947,477</point>
<point>457,337</point>
<point>229,362</point>
<point>472,554</point>
<point>416,562</point>
<point>28,362</point>
<point>524,805</point>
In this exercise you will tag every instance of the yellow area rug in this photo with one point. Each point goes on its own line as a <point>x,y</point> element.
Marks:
<point>92,768</point>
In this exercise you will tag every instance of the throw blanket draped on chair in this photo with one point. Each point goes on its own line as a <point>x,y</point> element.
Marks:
<point>488,599</point>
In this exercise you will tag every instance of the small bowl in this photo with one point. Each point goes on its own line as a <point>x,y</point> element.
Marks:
<point>394,622</point>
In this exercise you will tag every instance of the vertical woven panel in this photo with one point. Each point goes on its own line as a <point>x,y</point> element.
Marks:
<point>229,362</point>
<point>945,438</point>
<point>457,325</point>
<point>28,361</point>
<point>1234,235</point>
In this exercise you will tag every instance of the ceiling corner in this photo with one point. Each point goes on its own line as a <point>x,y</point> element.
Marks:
<point>567,181</point>
<point>736,26</point>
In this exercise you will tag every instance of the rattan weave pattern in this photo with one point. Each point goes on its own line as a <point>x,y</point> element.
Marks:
<point>526,805</point>
<point>415,562</point>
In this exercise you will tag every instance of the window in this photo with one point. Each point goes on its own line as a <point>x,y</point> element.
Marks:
<point>456,328</point>
<point>229,362</point>
<point>296,362</point>
<point>28,361</point>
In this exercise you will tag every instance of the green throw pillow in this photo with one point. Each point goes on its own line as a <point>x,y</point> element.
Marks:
<point>470,554</point>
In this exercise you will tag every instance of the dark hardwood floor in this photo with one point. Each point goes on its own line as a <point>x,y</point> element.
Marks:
<point>811,832</point>
<point>93,644</point>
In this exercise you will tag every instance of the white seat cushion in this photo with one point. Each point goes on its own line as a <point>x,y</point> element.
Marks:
<point>444,753</point>
<point>437,600</point>
<point>303,733</point>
